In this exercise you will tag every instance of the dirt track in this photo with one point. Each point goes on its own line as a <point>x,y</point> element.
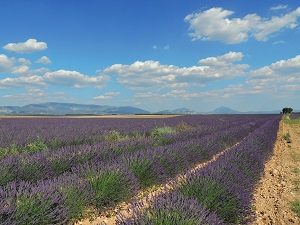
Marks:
<point>277,188</point>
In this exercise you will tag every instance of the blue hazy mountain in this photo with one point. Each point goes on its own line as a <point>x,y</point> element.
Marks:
<point>55,108</point>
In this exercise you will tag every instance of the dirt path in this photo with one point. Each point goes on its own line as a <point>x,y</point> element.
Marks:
<point>279,185</point>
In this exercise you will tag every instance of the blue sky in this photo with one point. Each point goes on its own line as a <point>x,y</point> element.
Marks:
<point>155,55</point>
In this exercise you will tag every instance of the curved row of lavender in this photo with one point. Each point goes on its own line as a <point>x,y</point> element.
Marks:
<point>57,132</point>
<point>220,193</point>
<point>295,116</point>
<point>57,186</point>
<point>54,162</point>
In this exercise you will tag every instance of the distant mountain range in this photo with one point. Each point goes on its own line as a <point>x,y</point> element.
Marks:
<point>177,111</point>
<point>226,110</point>
<point>55,108</point>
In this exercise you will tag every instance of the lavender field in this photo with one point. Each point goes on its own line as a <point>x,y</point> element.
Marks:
<point>62,170</point>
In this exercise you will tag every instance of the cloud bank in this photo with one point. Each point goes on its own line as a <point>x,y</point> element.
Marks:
<point>216,24</point>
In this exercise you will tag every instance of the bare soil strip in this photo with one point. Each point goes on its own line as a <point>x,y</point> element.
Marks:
<point>109,217</point>
<point>279,187</point>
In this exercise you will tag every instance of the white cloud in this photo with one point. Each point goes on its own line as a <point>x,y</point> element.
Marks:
<point>11,65</point>
<point>166,47</point>
<point>223,60</point>
<point>44,60</point>
<point>279,78</point>
<point>288,70</point>
<point>215,24</point>
<point>24,61</point>
<point>74,79</point>
<point>21,82</point>
<point>35,95</point>
<point>31,45</point>
<point>152,74</point>
<point>154,46</point>
<point>107,95</point>
<point>278,42</point>
<point>6,63</point>
<point>279,7</point>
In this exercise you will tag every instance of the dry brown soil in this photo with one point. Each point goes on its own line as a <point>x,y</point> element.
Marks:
<point>281,182</point>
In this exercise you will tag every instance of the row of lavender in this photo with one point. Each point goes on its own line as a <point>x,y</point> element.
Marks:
<point>220,193</point>
<point>295,116</point>
<point>56,132</point>
<point>103,181</point>
<point>54,162</point>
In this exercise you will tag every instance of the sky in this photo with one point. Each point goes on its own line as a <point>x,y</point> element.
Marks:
<point>154,55</point>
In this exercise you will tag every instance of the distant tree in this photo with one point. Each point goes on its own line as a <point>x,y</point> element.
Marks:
<point>287,110</point>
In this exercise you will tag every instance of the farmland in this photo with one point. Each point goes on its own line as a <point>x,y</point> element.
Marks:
<point>64,170</point>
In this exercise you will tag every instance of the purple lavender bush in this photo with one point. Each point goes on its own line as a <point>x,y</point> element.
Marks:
<point>110,183</point>
<point>169,209</point>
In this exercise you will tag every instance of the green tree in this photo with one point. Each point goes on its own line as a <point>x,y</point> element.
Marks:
<point>287,110</point>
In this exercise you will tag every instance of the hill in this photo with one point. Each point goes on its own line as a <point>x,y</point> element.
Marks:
<point>55,108</point>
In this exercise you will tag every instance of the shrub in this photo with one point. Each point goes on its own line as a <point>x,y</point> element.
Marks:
<point>24,204</point>
<point>214,196</point>
<point>169,209</point>
<point>114,136</point>
<point>36,146</point>
<point>110,183</point>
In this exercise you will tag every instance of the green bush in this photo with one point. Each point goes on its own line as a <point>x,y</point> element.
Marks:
<point>114,136</point>
<point>36,146</point>
<point>159,135</point>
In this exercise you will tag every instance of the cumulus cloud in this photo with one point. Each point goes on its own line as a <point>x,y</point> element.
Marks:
<point>12,65</point>
<point>21,82</point>
<point>29,46</point>
<point>107,95</point>
<point>42,76</point>
<point>215,24</point>
<point>74,79</point>
<point>44,60</point>
<point>149,74</point>
<point>6,63</point>
<point>279,77</point>
<point>287,70</point>
<point>24,61</point>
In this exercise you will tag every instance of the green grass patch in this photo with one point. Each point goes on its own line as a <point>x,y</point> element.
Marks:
<point>114,136</point>
<point>296,170</point>
<point>287,138</point>
<point>287,120</point>
<point>295,207</point>
<point>159,135</point>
